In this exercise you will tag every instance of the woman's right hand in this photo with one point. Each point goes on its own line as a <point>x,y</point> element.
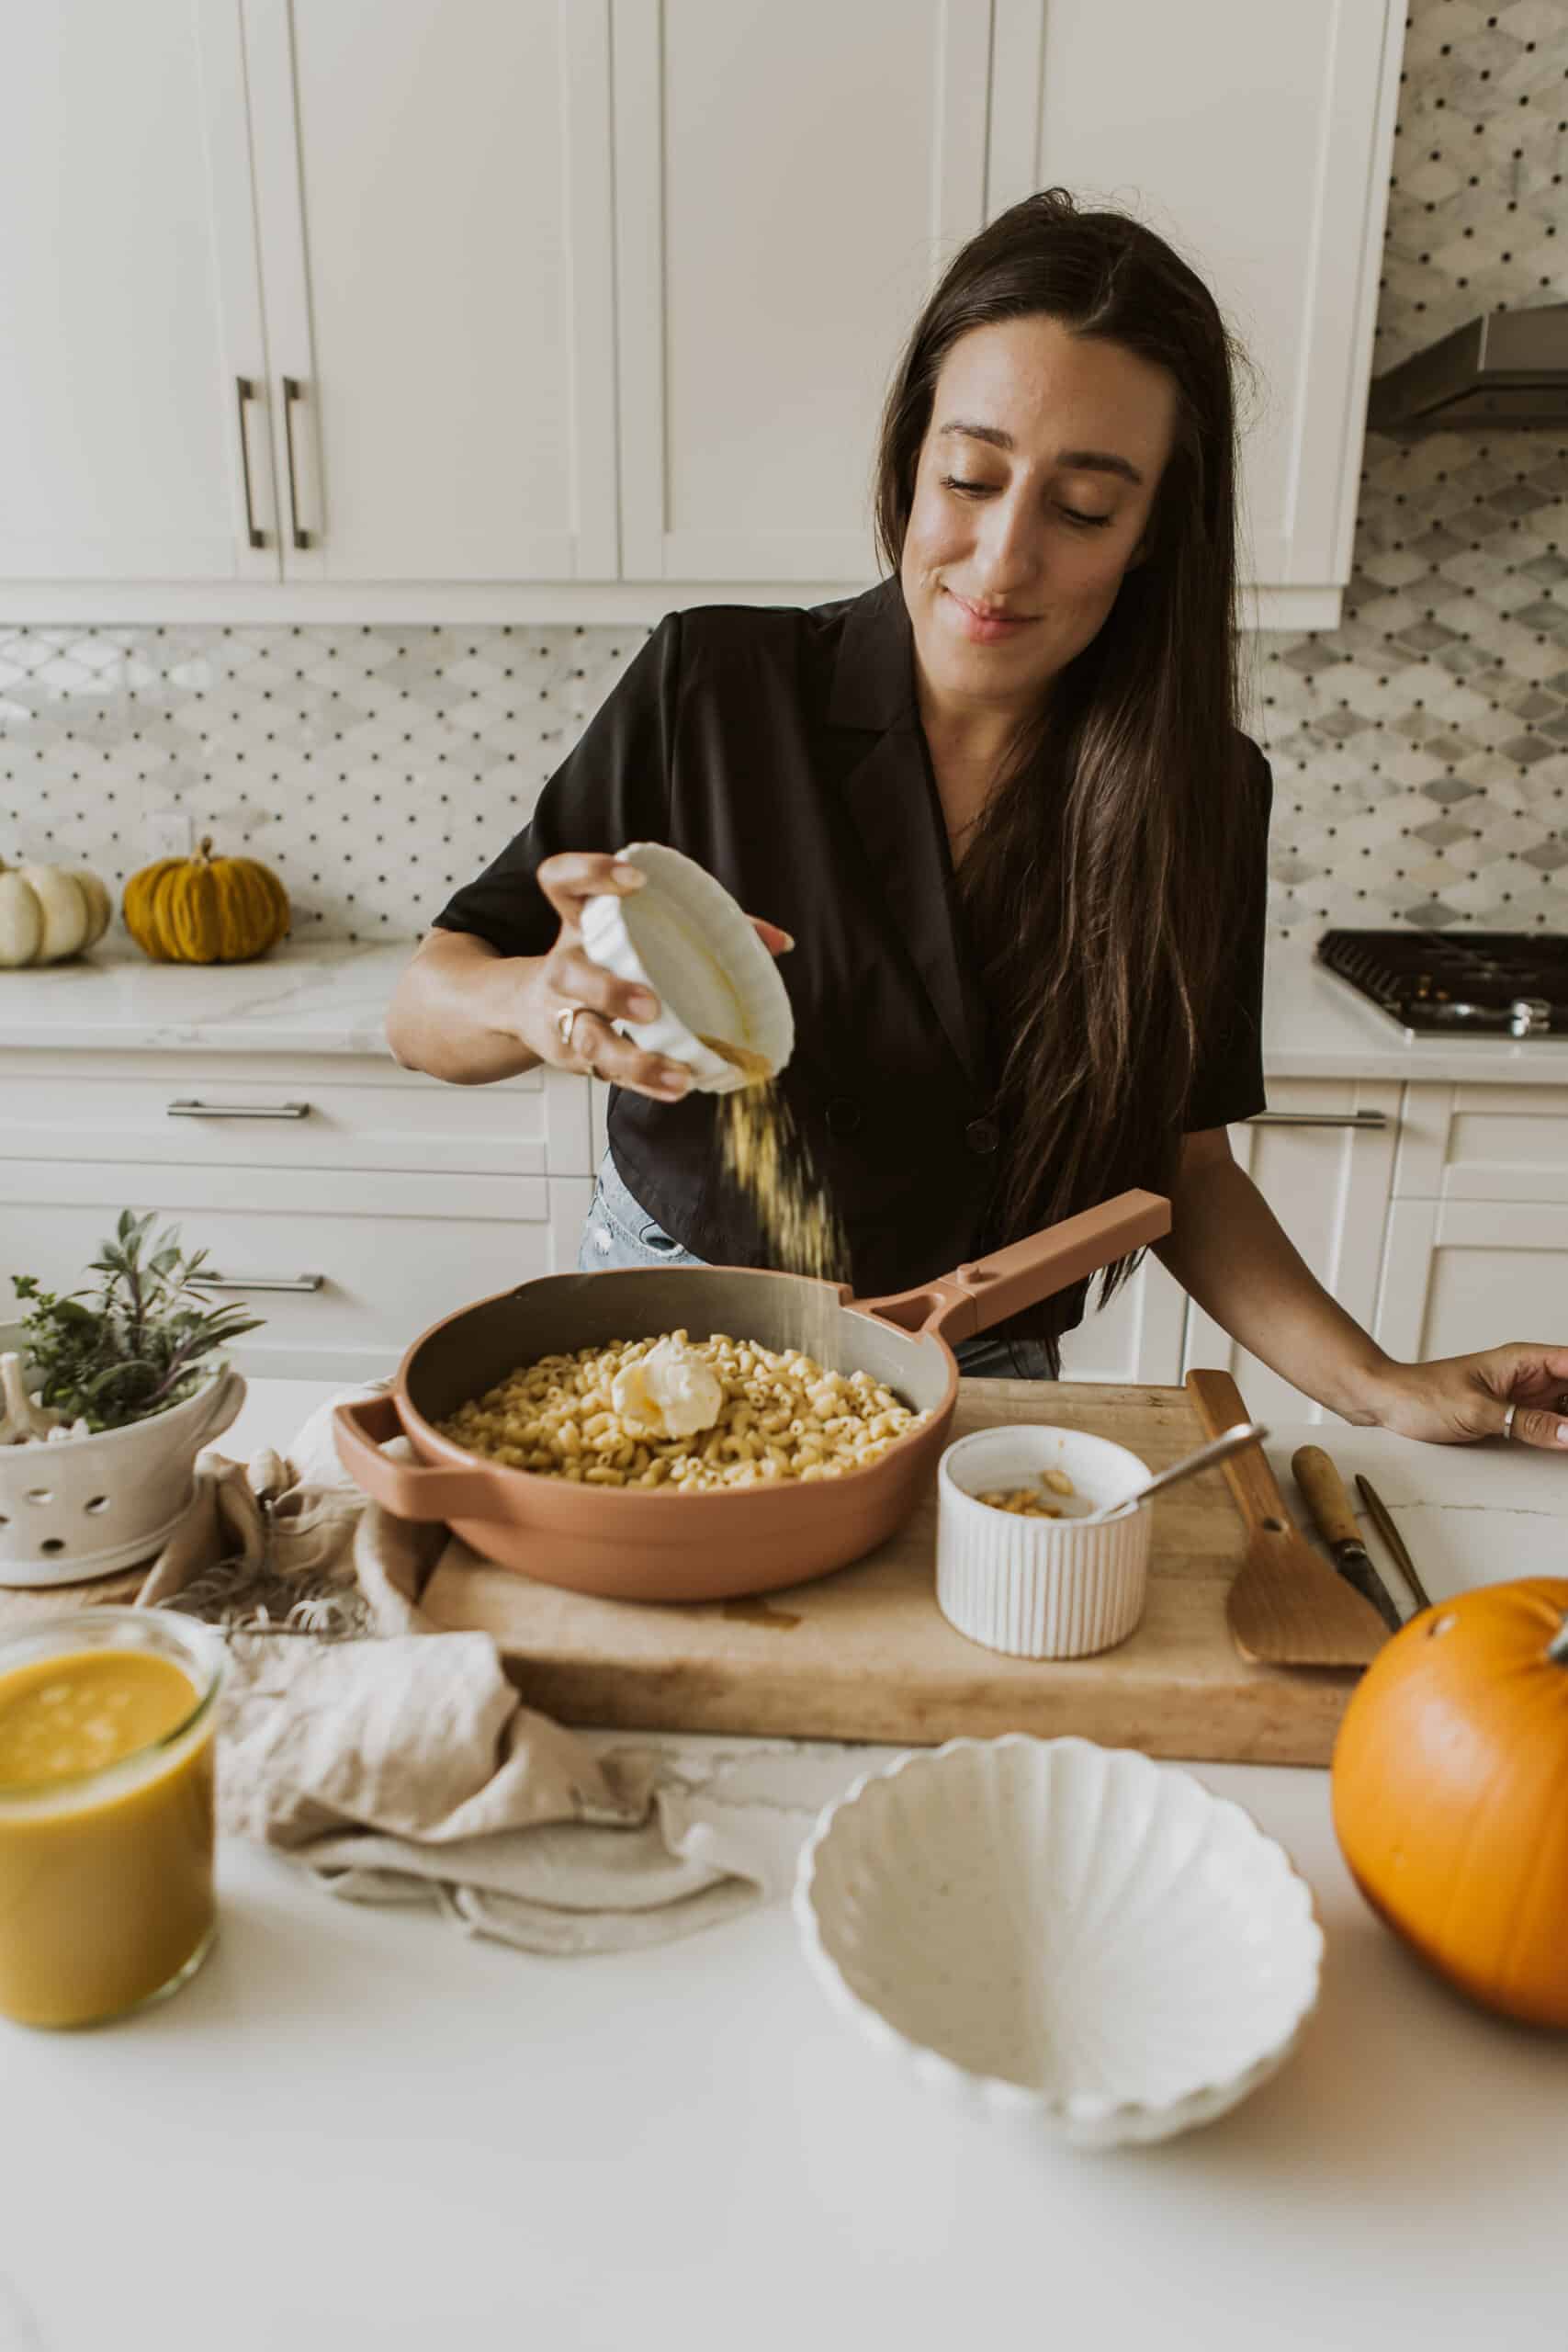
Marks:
<point>568,976</point>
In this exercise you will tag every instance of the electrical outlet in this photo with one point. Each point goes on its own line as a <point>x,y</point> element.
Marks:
<point>168,833</point>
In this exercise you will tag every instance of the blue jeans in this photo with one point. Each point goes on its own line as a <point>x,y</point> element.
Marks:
<point>619,1232</point>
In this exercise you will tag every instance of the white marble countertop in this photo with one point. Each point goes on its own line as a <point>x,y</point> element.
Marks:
<point>332,999</point>
<point>355,2129</point>
<point>326,1000</point>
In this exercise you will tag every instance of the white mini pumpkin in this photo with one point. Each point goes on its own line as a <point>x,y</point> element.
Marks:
<point>48,912</point>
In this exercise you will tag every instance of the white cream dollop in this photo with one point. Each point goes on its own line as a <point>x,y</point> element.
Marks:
<point>668,1393</point>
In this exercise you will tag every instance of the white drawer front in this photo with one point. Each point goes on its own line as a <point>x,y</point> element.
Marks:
<point>286,1111</point>
<point>1466,1274</point>
<point>369,1283</point>
<point>188,1193</point>
<point>1485,1143</point>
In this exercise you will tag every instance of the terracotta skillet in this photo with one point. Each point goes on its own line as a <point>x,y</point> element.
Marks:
<point>632,1544</point>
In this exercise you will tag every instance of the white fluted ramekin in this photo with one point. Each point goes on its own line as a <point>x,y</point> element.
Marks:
<point>1070,1938</point>
<point>683,936</point>
<point>1041,1587</point>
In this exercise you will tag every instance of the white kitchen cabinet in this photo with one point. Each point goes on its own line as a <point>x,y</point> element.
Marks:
<point>433,196</point>
<point>348,1202</point>
<point>1258,136</point>
<point>577,309</point>
<point>344,1284</point>
<point>290,1112</point>
<point>1478,1228</point>
<point>787,179</point>
<point>1464,1274</point>
<point>1137,1337</point>
<point>1483,1143</point>
<point>132,358</point>
<point>1322,1155</point>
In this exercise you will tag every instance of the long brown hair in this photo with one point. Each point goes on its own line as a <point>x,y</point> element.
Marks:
<point>1097,885</point>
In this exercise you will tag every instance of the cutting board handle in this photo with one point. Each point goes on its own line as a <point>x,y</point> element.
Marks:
<point>361,1426</point>
<point>973,1297</point>
<point>1217,1402</point>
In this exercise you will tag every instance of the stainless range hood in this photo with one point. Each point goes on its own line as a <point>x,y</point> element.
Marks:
<point>1509,368</point>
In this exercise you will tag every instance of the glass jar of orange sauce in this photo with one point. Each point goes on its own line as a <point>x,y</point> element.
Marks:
<point>107,1725</point>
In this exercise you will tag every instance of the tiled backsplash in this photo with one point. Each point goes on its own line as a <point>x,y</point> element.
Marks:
<point>1420,750</point>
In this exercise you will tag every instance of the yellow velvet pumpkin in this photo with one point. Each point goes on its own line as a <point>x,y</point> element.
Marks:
<point>206,909</point>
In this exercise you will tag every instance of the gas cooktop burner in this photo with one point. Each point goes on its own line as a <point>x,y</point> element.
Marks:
<point>1482,983</point>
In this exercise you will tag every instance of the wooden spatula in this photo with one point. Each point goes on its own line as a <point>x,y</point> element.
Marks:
<point>1286,1607</point>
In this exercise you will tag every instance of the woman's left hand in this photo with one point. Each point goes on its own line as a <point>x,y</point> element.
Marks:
<point>1458,1398</point>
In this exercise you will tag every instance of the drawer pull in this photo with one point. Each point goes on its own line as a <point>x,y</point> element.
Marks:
<point>259,1282</point>
<point>293,391</point>
<point>191,1109</point>
<point>247,392</point>
<point>1370,1122</point>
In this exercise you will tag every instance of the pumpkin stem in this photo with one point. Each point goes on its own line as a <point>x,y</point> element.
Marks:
<point>204,850</point>
<point>1557,1648</point>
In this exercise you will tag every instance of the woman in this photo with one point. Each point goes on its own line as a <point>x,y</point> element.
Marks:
<point>1002,803</point>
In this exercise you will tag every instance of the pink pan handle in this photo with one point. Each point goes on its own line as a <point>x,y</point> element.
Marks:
<point>408,1489</point>
<point>958,1305</point>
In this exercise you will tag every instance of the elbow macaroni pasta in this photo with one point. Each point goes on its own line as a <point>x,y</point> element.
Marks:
<point>784,1418</point>
<point>1028,1502</point>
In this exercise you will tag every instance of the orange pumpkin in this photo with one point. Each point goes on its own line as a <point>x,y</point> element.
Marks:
<point>1451,1792</point>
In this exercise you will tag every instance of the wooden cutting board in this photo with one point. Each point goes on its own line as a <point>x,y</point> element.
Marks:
<point>865,1653</point>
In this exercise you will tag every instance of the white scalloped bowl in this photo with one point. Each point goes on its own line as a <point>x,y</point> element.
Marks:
<point>683,936</point>
<point>1062,1933</point>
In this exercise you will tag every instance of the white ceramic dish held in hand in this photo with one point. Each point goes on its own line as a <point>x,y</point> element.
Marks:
<point>1070,1935</point>
<point>683,936</point>
<point>1042,1588</point>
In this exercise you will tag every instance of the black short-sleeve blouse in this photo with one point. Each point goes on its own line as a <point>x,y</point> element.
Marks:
<point>781,748</point>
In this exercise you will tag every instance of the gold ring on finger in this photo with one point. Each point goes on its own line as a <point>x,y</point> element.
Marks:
<point>1508,1421</point>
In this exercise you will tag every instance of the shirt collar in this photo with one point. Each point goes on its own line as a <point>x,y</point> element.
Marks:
<point>873,678</point>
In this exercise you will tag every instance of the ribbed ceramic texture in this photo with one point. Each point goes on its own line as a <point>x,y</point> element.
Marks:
<point>1068,1935</point>
<point>1039,1588</point>
<point>85,1506</point>
<point>683,936</point>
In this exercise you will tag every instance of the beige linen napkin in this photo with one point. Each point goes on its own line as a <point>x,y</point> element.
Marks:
<point>403,1767</point>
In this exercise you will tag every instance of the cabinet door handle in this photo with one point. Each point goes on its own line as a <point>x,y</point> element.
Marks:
<point>189,1108</point>
<point>1370,1122</point>
<point>247,392</point>
<point>258,1281</point>
<point>293,391</point>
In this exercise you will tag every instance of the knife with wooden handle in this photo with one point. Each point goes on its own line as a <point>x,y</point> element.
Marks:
<point>1335,1520</point>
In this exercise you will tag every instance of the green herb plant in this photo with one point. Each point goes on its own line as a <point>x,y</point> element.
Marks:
<point>136,1346</point>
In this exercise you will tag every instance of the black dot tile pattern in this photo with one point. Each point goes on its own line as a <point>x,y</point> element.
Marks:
<point>1420,750</point>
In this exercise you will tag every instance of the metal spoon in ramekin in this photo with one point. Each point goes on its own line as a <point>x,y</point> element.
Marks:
<point>1218,1449</point>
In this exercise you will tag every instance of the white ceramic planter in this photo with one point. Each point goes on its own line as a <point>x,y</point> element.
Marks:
<point>85,1506</point>
<point>1069,1936</point>
<point>683,936</point>
<point>1041,1587</point>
